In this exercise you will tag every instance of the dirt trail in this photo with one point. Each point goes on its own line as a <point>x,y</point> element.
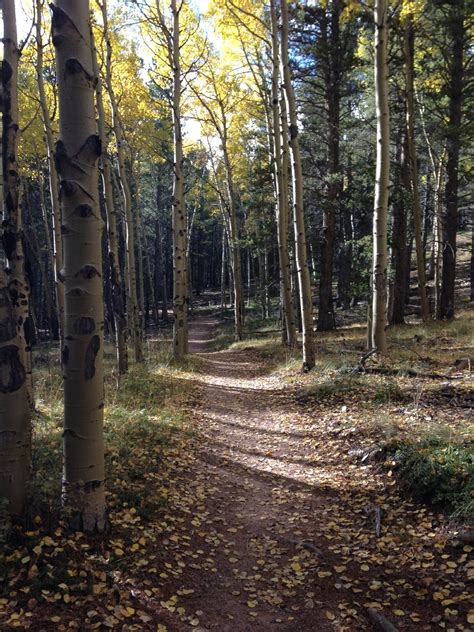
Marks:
<point>270,524</point>
<point>259,500</point>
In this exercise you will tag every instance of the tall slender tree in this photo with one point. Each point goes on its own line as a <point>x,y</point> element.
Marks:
<point>382,174</point>
<point>57,244</point>
<point>281,190</point>
<point>409,52</point>
<point>130,224</point>
<point>12,226</point>
<point>120,319</point>
<point>456,26</point>
<point>298,210</point>
<point>77,152</point>
<point>15,415</point>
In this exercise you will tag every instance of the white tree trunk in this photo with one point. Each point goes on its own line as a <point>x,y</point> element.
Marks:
<point>298,210</point>
<point>77,152</point>
<point>382,175</point>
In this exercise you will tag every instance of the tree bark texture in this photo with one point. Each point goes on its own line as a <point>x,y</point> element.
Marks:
<point>12,226</point>
<point>382,176</point>
<point>77,152</point>
<point>298,210</point>
<point>281,192</point>
<point>180,294</point>
<point>57,249</point>
<point>118,303</point>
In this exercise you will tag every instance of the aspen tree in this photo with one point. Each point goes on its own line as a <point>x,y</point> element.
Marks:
<point>298,210</point>
<point>15,415</point>
<point>77,152</point>
<point>12,225</point>
<point>382,173</point>
<point>409,52</point>
<point>120,319</point>
<point>281,191</point>
<point>57,244</point>
<point>180,292</point>
<point>132,306</point>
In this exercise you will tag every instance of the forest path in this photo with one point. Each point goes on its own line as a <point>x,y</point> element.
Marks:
<point>271,522</point>
<point>250,503</point>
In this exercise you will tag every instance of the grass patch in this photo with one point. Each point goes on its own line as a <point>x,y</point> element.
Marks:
<point>141,421</point>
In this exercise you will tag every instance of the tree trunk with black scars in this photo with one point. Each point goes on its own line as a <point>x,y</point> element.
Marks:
<point>409,52</point>
<point>298,210</point>
<point>457,31</point>
<point>57,244</point>
<point>77,152</point>
<point>332,93</point>
<point>15,413</point>
<point>12,225</point>
<point>281,194</point>
<point>180,293</point>
<point>118,303</point>
<point>132,298</point>
<point>382,174</point>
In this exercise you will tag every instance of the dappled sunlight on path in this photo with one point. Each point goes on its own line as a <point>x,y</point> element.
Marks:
<point>272,523</point>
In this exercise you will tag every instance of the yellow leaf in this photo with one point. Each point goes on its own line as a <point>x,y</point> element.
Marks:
<point>329,616</point>
<point>399,613</point>
<point>251,604</point>
<point>296,567</point>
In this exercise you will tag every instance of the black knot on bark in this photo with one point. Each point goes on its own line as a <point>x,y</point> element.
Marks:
<point>94,145</point>
<point>88,272</point>
<point>84,325</point>
<point>59,17</point>
<point>90,486</point>
<point>75,292</point>
<point>58,40</point>
<point>67,188</point>
<point>84,210</point>
<point>9,242</point>
<point>293,131</point>
<point>74,67</point>
<point>12,371</point>
<point>91,354</point>
<point>7,72</point>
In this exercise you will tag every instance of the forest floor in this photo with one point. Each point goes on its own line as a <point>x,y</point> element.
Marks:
<point>272,502</point>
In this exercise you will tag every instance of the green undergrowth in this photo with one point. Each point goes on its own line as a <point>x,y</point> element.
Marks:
<point>439,471</point>
<point>142,418</point>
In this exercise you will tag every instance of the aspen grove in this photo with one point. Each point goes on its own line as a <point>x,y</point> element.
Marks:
<point>236,310</point>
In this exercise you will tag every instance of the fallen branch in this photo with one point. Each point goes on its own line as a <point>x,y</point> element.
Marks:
<point>378,521</point>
